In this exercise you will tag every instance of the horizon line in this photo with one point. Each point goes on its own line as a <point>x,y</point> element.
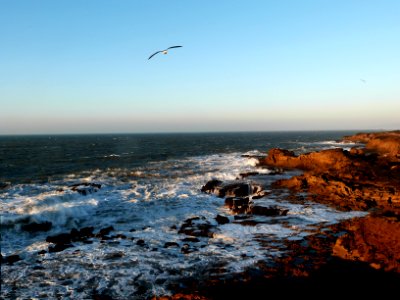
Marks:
<point>193,132</point>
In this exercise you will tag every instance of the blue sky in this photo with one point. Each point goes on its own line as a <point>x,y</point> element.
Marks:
<point>81,66</point>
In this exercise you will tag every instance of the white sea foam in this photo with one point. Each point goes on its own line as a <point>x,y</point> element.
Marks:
<point>329,144</point>
<point>149,203</point>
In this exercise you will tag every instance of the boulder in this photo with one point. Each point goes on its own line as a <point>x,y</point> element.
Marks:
<point>270,211</point>
<point>85,188</point>
<point>222,219</point>
<point>231,189</point>
<point>35,227</point>
<point>197,226</point>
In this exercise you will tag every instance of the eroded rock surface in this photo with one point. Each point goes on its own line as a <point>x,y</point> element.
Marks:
<point>362,178</point>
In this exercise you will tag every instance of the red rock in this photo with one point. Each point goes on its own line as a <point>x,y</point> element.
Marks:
<point>373,239</point>
<point>356,179</point>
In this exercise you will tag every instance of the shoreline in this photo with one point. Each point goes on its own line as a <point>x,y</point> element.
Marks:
<point>359,256</point>
<point>321,249</point>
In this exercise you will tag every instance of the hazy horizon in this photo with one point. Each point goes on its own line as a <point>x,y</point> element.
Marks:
<point>199,132</point>
<point>70,67</point>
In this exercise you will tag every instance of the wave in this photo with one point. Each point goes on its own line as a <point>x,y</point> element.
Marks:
<point>147,204</point>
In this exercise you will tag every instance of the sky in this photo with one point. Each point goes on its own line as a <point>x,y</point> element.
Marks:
<point>73,66</point>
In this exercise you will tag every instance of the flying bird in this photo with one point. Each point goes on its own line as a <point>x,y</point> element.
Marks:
<point>363,80</point>
<point>164,51</point>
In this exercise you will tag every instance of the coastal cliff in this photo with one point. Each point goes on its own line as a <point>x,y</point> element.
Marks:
<point>358,252</point>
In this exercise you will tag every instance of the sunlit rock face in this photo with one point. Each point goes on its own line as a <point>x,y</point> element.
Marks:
<point>386,143</point>
<point>362,178</point>
<point>373,239</point>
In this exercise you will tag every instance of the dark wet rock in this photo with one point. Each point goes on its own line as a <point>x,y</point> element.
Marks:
<point>119,236</point>
<point>237,204</point>
<point>11,259</point>
<point>212,187</point>
<point>82,234</point>
<point>247,174</point>
<point>62,238</point>
<point>4,185</point>
<point>41,252</point>
<point>35,227</point>
<point>171,244</point>
<point>105,231</point>
<point>140,243</point>
<point>247,222</point>
<point>85,188</point>
<point>259,195</point>
<point>191,239</point>
<point>197,226</point>
<point>241,217</point>
<point>222,219</point>
<point>59,247</point>
<point>186,249</point>
<point>114,255</point>
<point>102,295</point>
<point>240,189</point>
<point>231,189</point>
<point>268,211</point>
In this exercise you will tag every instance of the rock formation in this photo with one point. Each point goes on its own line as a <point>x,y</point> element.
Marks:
<point>362,178</point>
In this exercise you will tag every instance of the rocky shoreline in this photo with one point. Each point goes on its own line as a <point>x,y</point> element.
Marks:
<point>359,257</point>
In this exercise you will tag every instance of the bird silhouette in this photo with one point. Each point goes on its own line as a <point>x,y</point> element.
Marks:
<point>363,80</point>
<point>165,51</point>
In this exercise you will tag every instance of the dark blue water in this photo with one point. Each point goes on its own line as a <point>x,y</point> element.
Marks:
<point>149,185</point>
<point>38,158</point>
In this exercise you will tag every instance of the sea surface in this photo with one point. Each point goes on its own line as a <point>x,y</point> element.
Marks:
<point>145,186</point>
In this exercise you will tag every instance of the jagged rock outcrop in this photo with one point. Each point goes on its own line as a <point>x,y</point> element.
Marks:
<point>231,189</point>
<point>386,143</point>
<point>355,179</point>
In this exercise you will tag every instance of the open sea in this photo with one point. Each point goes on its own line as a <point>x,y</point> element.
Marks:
<point>145,186</point>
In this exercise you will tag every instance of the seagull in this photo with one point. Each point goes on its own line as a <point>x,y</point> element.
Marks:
<point>363,80</point>
<point>164,51</point>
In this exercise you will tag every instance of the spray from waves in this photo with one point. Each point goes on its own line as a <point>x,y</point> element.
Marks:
<point>146,205</point>
<point>304,147</point>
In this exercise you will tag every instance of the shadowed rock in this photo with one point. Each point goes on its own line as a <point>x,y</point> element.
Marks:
<point>197,226</point>
<point>237,205</point>
<point>212,187</point>
<point>231,189</point>
<point>221,219</point>
<point>11,259</point>
<point>85,188</point>
<point>268,211</point>
<point>35,227</point>
<point>59,247</point>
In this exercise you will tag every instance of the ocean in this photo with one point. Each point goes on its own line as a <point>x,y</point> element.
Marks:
<point>142,187</point>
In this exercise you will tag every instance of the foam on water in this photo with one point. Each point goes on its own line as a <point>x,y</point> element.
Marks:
<point>147,203</point>
<point>305,147</point>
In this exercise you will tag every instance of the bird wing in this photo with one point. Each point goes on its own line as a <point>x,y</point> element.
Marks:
<point>154,54</point>
<point>173,47</point>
